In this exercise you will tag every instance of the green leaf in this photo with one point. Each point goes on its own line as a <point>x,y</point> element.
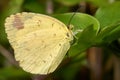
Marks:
<point>69,2</point>
<point>69,70</point>
<point>109,14</point>
<point>85,30</point>
<point>80,21</point>
<point>85,40</point>
<point>61,9</point>
<point>109,34</point>
<point>109,18</point>
<point>35,6</point>
<point>13,7</point>
<point>12,72</point>
<point>100,3</point>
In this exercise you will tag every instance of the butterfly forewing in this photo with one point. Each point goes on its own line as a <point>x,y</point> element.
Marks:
<point>40,42</point>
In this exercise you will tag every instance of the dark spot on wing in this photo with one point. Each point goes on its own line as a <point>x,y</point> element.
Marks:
<point>52,24</point>
<point>42,41</point>
<point>34,34</point>
<point>60,28</point>
<point>43,44</point>
<point>18,22</point>
<point>27,49</point>
<point>44,61</point>
<point>39,22</point>
<point>67,34</point>
<point>54,34</point>
<point>66,38</point>
<point>51,55</point>
<point>59,44</point>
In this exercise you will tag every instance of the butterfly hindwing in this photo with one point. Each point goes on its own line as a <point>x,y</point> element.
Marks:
<point>39,41</point>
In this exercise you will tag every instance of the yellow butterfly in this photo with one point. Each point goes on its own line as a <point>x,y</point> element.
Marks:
<point>40,42</point>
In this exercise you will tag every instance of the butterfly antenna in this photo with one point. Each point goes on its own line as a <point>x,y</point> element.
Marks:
<point>70,27</point>
<point>72,18</point>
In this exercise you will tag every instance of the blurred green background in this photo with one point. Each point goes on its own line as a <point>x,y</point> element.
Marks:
<point>93,62</point>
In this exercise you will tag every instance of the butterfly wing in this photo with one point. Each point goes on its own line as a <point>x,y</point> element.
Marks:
<point>40,42</point>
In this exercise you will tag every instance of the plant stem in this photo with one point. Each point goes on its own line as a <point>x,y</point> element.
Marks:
<point>116,68</point>
<point>95,63</point>
<point>49,6</point>
<point>8,55</point>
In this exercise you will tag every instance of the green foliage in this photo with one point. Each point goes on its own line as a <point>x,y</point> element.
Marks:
<point>88,26</point>
<point>100,2</point>
<point>13,7</point>
<point>109,21</point>
<point>108,15</point>
<point>69,70</point>
<point>69,2</point>
<point>85,33</point>
<point>34,6</point>
<point>12,73</point>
